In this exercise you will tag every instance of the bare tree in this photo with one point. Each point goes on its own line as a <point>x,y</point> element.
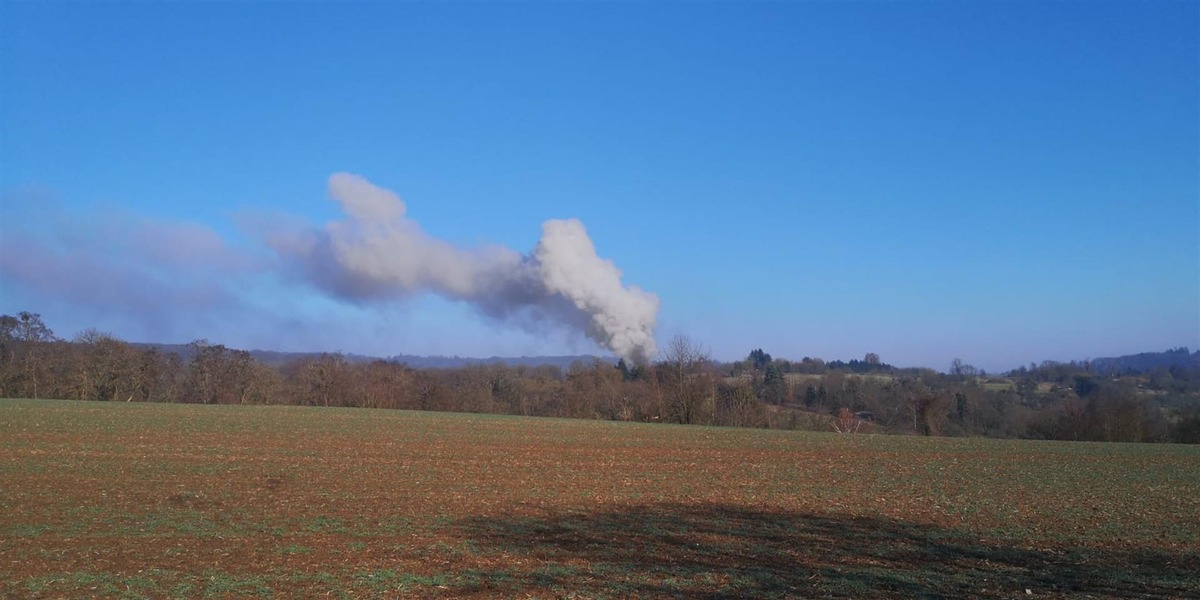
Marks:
<point>105,368</point>
<point>385,384</point>
<point>738,405</point>
<point>962,369</point>
<point>689,384</point>
<point>326,381</point>
<point>846,421</point>
<point>30,340</point>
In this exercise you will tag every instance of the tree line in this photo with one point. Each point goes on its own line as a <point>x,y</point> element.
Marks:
<point>1066,401</point>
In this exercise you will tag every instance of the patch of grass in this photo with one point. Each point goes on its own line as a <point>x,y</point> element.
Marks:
<point>380,580</point>
<point>94,584</point>
<point>408,580</point>
<point>322,582</point>
<point>553,574</point>
<point>324,524</point>
<point>222,585</point>
<point>25,530</point>
<point>183,589</point>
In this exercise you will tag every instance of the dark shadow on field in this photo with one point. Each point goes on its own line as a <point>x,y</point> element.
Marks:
<point>717,551</point>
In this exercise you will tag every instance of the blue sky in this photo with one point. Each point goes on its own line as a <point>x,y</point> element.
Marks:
<point>1003,183</point>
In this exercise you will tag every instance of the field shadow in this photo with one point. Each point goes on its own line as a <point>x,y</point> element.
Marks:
<point>722,551</point>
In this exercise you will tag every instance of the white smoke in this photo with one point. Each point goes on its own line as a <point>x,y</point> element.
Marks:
<point>377,252</point>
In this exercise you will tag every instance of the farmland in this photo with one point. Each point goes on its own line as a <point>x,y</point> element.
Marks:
<point>139,500</point>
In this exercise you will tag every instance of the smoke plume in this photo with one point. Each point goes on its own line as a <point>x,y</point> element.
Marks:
<point>377,253</point>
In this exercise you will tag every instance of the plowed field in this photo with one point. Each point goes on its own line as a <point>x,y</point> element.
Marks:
<point>156,501</point>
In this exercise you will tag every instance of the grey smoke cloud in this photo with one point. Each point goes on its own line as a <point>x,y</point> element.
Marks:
<point>377,253</point>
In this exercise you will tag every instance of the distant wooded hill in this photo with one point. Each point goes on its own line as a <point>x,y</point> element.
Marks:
<point>1147,361</point>
<point>1130,363</point>
<point>277,359</point>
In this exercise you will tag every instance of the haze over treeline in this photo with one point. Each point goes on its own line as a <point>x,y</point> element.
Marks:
<point>1069,401</point>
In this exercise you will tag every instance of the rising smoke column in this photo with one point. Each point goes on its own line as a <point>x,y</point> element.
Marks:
<point>377,253</point>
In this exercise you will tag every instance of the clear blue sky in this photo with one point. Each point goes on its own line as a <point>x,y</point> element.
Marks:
<point>1003,183</point>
